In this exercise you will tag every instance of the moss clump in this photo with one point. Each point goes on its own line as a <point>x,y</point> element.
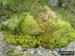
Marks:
<point>30,26</point>
<point>27,41</point>
<point>11,24</point>
<point>10,38</point>
<point>63,33</point>
<point>65,15</point>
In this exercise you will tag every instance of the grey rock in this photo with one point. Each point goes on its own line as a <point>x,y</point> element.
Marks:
<point>18,49</point>
<point>4,47</point>
<point>40,51</point>
<point>53,3</point>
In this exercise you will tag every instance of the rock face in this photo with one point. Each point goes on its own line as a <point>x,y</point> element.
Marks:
<point>53,3</point>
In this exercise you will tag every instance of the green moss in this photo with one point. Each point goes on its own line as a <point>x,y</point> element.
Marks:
<point>63,33</point>
<point>65,15</point>
<point>11,24</point>
<point>30,26</point>
<point>27,41</point>
<point>10,38</point>
<point>28,30</point>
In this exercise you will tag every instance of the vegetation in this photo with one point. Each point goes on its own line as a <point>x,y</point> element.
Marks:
<point>65,15</point>
<point>23,24</point>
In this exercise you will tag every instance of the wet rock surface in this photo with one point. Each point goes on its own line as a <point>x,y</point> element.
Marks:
<point>40,51</point>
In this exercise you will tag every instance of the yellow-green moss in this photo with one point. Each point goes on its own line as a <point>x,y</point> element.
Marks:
<point>63,33</point>
<point>27,41</point>
<point>10,38</point>
<point>30,26</point>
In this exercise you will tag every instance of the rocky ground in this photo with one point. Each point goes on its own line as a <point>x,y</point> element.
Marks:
<point>40,51</point>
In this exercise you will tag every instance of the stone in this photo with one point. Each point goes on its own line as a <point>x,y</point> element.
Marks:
<point>4,47</point>
<point>18,49</point>
<point>53,3</point>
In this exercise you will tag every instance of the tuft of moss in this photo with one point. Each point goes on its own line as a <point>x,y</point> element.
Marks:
<point>30,26</point>
<point>63,33</point>
<point>26,41</point>
<point>10,38</point>
<point>11,24</point>
<point>65,15</point>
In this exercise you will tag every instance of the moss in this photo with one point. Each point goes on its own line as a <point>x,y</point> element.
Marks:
<point>29,33</point>
<point>63,33</point>
<point>27,41</point>
<point>11,24</point>
<point>30,26</point>
<point>60,35</point>
<point>10,38</point>
<point>65,15</point>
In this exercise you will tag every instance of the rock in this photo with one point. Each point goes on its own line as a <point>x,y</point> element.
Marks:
<point>5,47</point>
<point>18,49</point>
<point>40,52</point>
<point>26,54</point>
<point>53,3</point>
<point>55,53</point>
